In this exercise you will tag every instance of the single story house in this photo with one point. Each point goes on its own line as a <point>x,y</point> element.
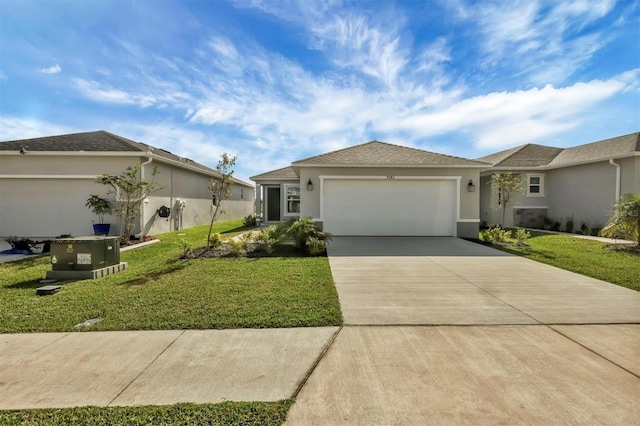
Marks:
<point>45,182</point>
<point>376,188</point>
<point>580,183</point>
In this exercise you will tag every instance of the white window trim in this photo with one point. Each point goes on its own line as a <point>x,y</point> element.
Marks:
<point>285,203</point>
<point>535,194</point>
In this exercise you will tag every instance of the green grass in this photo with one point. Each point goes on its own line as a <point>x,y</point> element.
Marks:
<point>226,413</point>
<point>586,257</point>
<point>161,291</point>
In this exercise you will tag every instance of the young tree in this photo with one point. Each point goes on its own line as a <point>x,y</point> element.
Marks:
<point>626,217</point>
<point>130,191</point>
<point>221,188</point>
<point>507,185</point>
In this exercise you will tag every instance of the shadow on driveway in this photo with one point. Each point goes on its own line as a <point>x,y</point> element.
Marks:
<point>409,246</point>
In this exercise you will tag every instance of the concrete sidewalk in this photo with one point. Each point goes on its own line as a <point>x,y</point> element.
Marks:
<point>526,350</point>
<point>46,370</point>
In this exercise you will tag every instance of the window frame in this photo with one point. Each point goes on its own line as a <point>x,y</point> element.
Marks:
<point>540,184</point>
<point>286,200</point>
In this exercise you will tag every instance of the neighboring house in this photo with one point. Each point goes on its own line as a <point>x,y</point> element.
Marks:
<point>580,183</point>
<point>376,188</point>
<point>45,182</point>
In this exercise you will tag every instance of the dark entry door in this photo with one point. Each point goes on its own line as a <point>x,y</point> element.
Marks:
<point>273,204</point>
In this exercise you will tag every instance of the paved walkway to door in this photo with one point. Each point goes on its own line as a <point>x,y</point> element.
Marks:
<point>444,331</point>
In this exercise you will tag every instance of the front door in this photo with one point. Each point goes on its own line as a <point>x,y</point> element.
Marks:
<point>273,204</point>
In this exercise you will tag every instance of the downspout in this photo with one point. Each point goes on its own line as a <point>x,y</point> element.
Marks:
<point>617,166</point>
<point>149,160</point>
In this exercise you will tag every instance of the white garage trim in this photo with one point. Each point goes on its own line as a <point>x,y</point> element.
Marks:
<point>455,179</point>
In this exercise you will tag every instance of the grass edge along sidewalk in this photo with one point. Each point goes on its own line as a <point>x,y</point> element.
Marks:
<point>225,413</point>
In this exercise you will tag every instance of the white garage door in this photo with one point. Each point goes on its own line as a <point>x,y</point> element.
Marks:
<point>387,207</point>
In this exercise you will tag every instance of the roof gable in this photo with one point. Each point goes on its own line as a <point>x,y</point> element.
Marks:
<point>377,153</point>
<point>529,155</point>
<point>279,174</point>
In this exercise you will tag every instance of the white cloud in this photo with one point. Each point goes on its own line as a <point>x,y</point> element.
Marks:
<point>545,40</point>
<point>54,69</point>
<point>16,128</point>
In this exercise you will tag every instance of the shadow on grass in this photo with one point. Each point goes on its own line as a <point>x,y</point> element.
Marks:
<point>171,266</point>
<point>522,251</point>
<point>27,262</point>
<point>238,229</point>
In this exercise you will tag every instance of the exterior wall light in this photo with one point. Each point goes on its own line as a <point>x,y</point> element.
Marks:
<point>310,185</point>
<point>471,187</point>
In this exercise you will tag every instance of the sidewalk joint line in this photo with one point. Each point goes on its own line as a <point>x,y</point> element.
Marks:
<point>315,364</point>
<point>593,351</point>
<point>145,369</point>
<point>36,351</point>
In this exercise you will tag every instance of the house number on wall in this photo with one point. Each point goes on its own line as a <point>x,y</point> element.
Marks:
<point>391,177</point>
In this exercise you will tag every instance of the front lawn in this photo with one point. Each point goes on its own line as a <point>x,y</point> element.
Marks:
<point>161,291</point>
<point>586,257</point>
<point>226,413</point>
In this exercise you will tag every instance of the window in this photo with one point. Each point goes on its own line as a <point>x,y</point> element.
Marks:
<point>292,206</point>
<point>535,185</point>
<point>242,193</point>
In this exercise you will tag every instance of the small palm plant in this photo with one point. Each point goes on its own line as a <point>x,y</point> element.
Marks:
<point>306,234</point>
<point>626,220</point>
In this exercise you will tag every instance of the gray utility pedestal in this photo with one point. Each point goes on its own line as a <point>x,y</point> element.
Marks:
<point>85,257</point>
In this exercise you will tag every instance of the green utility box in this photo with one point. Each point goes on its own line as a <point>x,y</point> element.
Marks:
<point>84,253</point>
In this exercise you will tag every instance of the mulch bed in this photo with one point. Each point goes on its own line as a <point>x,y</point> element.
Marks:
<point>253,251</point>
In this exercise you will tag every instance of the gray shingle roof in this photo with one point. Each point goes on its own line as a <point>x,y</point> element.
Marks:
<point>385,154</point>
<point>279,174</point>
<point>529,155</point>
<point>532,155</point>
<point>100,141</point>
<point>602,150</point>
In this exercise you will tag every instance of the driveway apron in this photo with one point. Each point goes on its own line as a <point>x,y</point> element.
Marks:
<point>445,331</point>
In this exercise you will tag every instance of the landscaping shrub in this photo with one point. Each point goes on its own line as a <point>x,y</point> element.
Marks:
<point>303,231</point>
<point>236,248</point>
<point>521,235</point>
<point>547,223</point>
<point>495,235</point>
<point>267,237</point>
<point>249,220</point>
<point>216,240</point>
<point>584,228</point>
<point>568,225</point>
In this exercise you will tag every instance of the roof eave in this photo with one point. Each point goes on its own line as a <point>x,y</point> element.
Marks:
<point>387,165</point>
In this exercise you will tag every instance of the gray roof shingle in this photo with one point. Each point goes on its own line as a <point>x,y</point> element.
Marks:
<point>529,155</point>
<point>385,154</point>
<point>279,174</point>
<point>100,141</point>
<point>602,150</point>
<point>532,155</point>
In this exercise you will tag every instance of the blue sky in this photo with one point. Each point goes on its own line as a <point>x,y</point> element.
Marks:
<point>275,81</point>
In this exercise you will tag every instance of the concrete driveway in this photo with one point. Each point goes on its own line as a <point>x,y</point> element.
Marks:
<point>422,280</point>
<point>444,331</point>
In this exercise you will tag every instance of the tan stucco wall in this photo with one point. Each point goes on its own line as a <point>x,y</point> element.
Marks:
<point>586,192</point>
<point>46,207</point>
<point>193,189</point>
<point>629,175</point>
<point>35,164</point>
<point>310,200</point>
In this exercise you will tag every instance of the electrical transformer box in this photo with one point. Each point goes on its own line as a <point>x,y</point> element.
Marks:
<point>84,253</point>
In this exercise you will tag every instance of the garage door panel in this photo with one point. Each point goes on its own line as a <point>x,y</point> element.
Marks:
<point>389,207</point>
